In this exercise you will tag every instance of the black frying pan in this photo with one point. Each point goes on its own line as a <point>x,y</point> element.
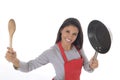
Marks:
<point>99,37</point>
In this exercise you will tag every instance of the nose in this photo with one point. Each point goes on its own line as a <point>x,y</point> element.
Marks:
<point>70,36</point>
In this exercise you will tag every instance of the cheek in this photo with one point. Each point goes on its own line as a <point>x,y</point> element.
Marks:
<point>75,38</point>
<point>63,36</point>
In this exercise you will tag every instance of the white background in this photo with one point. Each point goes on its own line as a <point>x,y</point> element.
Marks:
<point>37,24</point>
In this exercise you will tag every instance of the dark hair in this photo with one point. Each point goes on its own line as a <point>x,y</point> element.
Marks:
<point>72,21</point>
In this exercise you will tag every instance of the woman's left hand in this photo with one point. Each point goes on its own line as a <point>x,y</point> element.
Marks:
<point>93,63</point>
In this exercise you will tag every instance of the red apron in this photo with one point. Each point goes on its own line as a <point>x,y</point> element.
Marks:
<point>72,68</point>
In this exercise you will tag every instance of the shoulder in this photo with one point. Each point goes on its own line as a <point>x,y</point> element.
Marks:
<point>51,50</point>
<point>82,50</point>
<point>79,50</point>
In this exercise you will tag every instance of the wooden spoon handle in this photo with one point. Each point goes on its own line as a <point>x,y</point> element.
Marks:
<point>10,42</point>
<point>11,29</point>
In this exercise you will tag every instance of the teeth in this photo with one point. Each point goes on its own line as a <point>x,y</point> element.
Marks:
<point>68,40</point>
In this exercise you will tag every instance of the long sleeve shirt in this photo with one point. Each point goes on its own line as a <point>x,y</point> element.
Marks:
<point>53,56</point>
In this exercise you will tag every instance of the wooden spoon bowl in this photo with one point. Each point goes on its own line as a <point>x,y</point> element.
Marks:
<point>11,29</point>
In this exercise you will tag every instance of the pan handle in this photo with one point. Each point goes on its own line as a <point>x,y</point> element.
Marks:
<point>95,55</point>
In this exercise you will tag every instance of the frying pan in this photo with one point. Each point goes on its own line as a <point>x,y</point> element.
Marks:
<point>99,37</point>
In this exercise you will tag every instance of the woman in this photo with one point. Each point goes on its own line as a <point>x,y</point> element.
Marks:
<point>67,55</point>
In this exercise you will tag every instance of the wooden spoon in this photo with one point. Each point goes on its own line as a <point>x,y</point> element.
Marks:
<point>11,29</point>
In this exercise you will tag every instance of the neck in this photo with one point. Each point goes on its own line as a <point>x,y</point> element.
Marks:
<point>66,47</point>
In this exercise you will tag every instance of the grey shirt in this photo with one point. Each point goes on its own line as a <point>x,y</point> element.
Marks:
<point>54,57</point>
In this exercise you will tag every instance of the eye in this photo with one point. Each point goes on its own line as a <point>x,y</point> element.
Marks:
<point>75,34</point>
<point>67,31</point>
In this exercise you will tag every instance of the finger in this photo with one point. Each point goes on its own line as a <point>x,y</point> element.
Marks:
<point>95,61</point>
<point>9,56</point>
<point>9,52</point>
<point>11,49</point>
<point>92,59</point>
<point>94,66</point>
<point>8,59</point>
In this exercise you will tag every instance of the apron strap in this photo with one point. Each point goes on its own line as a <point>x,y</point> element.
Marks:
<point>62,51</point>
<point>79,51</point>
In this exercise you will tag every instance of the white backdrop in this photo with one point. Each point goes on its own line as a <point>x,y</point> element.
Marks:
<point>37,24</point>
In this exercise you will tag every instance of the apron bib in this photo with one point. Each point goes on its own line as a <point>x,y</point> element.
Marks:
<point>73,67</point>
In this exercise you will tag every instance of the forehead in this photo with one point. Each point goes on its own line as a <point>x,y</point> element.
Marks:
<point>71,27</point>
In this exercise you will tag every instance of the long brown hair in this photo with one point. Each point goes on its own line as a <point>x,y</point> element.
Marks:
<point>72,21</point>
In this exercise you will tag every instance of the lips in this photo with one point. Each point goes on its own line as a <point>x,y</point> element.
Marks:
<point>68,40</point>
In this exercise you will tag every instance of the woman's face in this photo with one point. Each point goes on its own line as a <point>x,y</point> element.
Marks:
<point>69,34</point>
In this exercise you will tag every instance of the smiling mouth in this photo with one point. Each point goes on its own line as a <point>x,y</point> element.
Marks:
<point>68,40</point>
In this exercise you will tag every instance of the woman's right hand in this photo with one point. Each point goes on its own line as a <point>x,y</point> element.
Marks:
<point>11,57</point>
